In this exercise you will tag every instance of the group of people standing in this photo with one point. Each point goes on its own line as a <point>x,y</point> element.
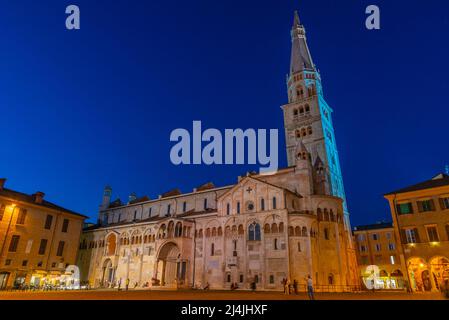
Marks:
<point>288,286</point>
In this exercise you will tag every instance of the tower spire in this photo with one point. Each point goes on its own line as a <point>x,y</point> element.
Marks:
<point>296,22</point>
<point>301,58</point>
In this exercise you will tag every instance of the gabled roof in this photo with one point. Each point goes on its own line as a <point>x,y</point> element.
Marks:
<point>437,181</point>
<point>23,197</point>
<point>244,179</point>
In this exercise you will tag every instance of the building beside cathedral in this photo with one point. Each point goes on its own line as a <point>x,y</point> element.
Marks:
<point>262,229</point>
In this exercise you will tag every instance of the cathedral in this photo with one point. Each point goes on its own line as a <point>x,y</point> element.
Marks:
<point>261,230</point>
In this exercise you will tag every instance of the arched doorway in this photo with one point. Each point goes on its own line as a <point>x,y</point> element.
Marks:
<point>419,275</point>
<point>171,269</point>
<point>439,267</point>
<point>108,273</point>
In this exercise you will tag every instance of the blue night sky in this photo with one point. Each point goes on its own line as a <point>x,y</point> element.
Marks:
<point>82,109</point>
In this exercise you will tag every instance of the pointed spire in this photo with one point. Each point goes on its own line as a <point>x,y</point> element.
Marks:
<point>300,56</point>
<point>296,22</point>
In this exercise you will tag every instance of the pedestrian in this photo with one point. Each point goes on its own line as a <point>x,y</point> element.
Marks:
<point>119,284</point>
<point>287,287</point>
<point>127,284</point>
<point>310,288</point>
<point>284,281</point>
<point>295,286</point>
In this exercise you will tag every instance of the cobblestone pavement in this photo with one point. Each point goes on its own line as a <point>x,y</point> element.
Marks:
<point>206,295</point>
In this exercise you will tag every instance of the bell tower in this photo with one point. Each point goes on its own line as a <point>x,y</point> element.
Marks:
<point>308,117</point>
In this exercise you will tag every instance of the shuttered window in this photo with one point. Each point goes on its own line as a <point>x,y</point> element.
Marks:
<point>444,203</point>
<point>14,243</point>
<point>426,205</point>
<point>432,233</point>
<point>43,246</point>
<point>22,216</point>
<point>60,250</point>
<point>48,221</point>
<point>404,208</point>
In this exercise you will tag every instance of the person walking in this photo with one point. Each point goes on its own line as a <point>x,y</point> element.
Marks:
<point>310,288</point>
<point>127,284</point>
<point>119,284</point>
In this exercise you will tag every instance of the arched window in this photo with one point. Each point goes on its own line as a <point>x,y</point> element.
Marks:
<point>200,233</point>
<point>274,202</point>
<point>241,230</point>
<point>291,231</point>
<point>326,215</point>
<point>170,229</point>
<point>214,232</point>
<point>228,209</point>
<point>319,214</point>
<point>295,112</point>
<point>266,228</point>
<point>274,228</point>
<point>254,232</point>
<point>309,130</point>
<point>303,132</point>
<point>178,229</point>
<point>301,110</point>
<point>220,231</point>
<point>207,232</point>
<point>238,207</point>
<point>307,108</point>
<point>281,227</point>
<point>304,231</point>
<point>297,231</point>
<point>262,204</point>
<point>332,216</point>
<point>298,134</point>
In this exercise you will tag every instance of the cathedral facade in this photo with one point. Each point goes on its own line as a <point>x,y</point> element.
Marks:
<point>262,230</point>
